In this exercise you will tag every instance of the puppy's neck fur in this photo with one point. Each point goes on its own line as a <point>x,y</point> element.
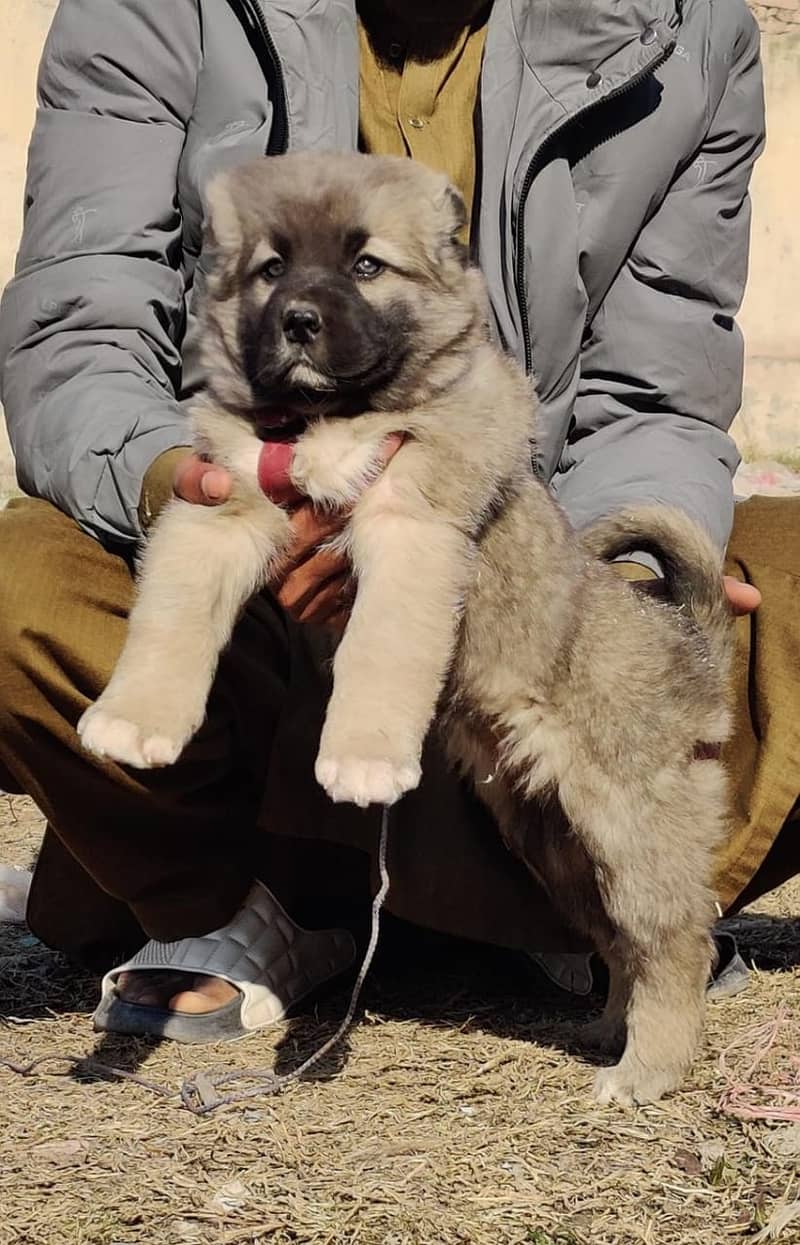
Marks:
<point>428,376</point>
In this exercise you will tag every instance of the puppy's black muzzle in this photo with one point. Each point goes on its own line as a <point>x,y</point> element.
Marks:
<point>321,320</point>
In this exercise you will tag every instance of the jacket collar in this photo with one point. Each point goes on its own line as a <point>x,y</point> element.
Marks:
<point>574,54</point>
<point>564,41</point>
<point>545,63</point>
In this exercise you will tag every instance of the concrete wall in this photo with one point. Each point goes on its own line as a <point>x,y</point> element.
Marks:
<point>770,418</point>
<point>24,25</point>
<point>769,422</point>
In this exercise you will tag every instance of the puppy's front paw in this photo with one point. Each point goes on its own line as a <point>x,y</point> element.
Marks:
<point>365,781</point>
<point>331,468</point>
<point>107,734</point>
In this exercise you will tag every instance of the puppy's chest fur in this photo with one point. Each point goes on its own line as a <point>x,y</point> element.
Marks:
<point>535,652</point>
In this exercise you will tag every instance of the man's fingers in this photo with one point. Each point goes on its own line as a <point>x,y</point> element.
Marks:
<point>311,527</point>
<point>336,619</point>
<point>743,598</point>
<point>306,597</point>
<point>314,585</point>
<point>302,582</point>
<point>215,486</point>
<point>332,598</point>
<point>201,483</point>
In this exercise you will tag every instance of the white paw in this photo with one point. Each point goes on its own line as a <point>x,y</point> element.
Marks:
<point>632,1084</point>
<point>330,469</point>
<point>353,780</point>
<point>106,735</point>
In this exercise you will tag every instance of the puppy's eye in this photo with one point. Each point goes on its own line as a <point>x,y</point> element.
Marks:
<point>273,268</point>
<point>367,266</point>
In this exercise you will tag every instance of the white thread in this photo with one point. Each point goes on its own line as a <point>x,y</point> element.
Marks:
<point>200,1094</point>
<point>366,963</point>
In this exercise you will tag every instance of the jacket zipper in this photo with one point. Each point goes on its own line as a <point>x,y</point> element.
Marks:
<point>251,15</point>
<point>532,170</point>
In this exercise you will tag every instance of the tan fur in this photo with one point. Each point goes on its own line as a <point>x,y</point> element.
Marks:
<point>555,681</point>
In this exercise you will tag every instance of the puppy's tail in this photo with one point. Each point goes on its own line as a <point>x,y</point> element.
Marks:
<point>692,566</point>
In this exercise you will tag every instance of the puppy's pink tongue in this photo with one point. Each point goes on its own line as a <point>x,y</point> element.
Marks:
<point>274,465</point>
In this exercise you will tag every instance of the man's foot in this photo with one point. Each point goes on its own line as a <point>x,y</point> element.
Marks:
<point>729,975</point>
<point>228,983</point>
<point>570,971</point>
<point>576,973</point>
<point>193,993</point>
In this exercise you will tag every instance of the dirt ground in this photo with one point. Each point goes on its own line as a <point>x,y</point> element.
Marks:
<point>458,1111</point>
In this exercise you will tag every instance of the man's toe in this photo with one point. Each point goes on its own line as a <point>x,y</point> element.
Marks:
<point>205,995</point>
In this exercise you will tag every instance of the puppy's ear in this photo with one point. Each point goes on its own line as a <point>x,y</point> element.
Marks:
<point>452,204</point>
<point>223,223</point>
<point>453,212</point>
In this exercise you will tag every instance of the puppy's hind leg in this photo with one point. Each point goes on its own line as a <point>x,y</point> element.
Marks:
<point>655,869</point>
<point>609,1031</point>
<point>651,842</point>
<point>200,567</point>
<point>665,1017</point>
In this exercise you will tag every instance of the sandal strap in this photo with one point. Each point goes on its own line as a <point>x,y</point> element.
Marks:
<point>271,961</point>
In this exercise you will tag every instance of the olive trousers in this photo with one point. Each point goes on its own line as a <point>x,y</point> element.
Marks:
<point>171,853</point>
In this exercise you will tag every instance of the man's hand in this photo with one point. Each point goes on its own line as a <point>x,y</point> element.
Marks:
<point>743,598</point>
<point>315,586</point>
<point>201,483</point>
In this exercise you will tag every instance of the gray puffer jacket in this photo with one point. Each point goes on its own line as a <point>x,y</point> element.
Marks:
<point>617,139</point>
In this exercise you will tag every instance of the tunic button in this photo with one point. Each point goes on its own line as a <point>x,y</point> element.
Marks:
<point>594,79</point>
<point>395,51</point>
<point>648,35</point>
<point>416,122</point>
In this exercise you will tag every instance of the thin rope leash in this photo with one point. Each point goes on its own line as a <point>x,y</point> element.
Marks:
<point>199,1093</point>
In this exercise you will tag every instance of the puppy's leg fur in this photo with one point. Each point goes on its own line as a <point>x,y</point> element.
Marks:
<point>411,563</point>
<point>650,868</point>
<point>664,1017</point>
<point>658,951</point>
<point>390,666</point>
<point>199,568</point>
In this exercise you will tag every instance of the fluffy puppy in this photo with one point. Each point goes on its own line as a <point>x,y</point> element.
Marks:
<point>340,308</point>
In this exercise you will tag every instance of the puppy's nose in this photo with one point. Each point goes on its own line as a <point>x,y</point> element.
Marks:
<point>301,323</point>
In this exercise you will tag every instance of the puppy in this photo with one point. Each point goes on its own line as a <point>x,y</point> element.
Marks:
<point>341,308</point>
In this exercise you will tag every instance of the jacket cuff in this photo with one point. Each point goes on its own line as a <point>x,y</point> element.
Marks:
<point>157,486</point>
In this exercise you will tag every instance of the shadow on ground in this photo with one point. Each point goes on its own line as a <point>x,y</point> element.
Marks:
<point>419,977</point>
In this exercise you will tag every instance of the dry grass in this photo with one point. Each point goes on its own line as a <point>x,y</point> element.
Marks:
<point>459,1112</point>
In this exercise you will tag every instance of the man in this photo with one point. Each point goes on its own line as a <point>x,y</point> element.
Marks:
<point>605,152</point>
